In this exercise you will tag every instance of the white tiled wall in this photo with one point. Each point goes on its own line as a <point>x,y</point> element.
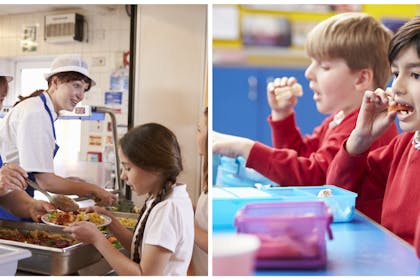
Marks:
<point>108,30</point>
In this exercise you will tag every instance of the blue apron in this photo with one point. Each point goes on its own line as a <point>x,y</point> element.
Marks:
<point>4,214</point>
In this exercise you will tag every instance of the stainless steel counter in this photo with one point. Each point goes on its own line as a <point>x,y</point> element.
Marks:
<point>100,268</point>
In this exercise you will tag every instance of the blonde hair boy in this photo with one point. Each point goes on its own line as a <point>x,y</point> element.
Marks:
<point>350,36</point>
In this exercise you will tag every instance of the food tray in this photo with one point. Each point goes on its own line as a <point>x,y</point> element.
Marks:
<point>47,260</point>
<point>119,214</point>
<point>125,214</point>
<point>292,234</point>
<point>227,200</point>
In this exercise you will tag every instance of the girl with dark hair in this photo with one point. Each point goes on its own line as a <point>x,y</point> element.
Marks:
<point>392,169</point>
<point>200,256</point>
<point>27,133</point>
<point>163,238</point>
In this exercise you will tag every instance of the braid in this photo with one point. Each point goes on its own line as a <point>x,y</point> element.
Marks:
<point>143,209</point>
<point>139,237</point>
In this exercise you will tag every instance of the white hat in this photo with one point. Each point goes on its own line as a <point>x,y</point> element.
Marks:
<point>9,78</point>
<point>69,63</point>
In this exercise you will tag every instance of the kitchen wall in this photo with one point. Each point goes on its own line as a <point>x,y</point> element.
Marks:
<point>170,80</point>
<point>108,35</point>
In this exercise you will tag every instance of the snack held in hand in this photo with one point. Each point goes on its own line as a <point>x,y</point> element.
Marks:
<point>296,90</point>
<point>400,107</point>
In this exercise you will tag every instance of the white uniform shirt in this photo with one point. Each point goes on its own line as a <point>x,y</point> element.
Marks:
<point>171,226</point>
<point>200,257</point>
<point>26,135</point>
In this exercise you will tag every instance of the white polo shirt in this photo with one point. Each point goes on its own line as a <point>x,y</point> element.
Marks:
<point>200,257</point>
<point>171,226</point>
<point>26,135</point>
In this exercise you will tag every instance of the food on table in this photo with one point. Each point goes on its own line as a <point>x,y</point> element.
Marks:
<point>289,245</point>
<point>325,193</point>
<point>37,237</point>
<point>127,222</point>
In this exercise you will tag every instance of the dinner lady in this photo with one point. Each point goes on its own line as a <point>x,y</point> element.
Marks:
<point>27,134</point>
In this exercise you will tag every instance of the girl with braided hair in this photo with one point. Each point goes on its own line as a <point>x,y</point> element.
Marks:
<point>162,242</point>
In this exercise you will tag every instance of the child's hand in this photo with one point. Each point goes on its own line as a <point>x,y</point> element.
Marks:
<point>231,146</point>
<point>281,96</point>
<point>85,232</point>
<point>373,119</point>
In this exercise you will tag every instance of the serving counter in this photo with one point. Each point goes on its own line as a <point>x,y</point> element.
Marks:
<point>360,247</point>
<point>69,259</point>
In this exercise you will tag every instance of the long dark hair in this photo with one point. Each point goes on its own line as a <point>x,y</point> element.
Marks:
<point>4,83</point>
<point>155,148</point>
<point>64,77</point>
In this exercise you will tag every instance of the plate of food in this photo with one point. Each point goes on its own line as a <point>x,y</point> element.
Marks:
<point>64,219</point>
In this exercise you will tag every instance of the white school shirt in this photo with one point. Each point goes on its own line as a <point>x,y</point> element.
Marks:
<point>171,226</point>
<point>26,135</point>
<point>200,257</point>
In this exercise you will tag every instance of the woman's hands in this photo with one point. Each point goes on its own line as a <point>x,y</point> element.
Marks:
<point>97,209</point>
<point>104,197</point>
<point>37,208</point>
<point>12,177</point>
<point>282,97</point>
<point>372,121</point>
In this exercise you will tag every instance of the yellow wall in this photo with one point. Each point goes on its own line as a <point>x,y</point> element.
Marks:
<point>403,11</point>
<point>294,55</point>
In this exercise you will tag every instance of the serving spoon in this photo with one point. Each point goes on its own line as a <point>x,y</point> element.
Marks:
<point>60,201</point>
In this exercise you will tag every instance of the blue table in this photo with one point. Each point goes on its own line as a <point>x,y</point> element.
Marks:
<point>360,248</point>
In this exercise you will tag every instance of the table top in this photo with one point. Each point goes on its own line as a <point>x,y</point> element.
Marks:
<point>361,247</point>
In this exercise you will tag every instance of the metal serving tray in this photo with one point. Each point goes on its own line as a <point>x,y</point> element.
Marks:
<point>47,260</point>
<point>125,215</point>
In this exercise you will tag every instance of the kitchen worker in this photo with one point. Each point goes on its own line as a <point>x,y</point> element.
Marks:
<point>12,179</point>
<point>27,133</point>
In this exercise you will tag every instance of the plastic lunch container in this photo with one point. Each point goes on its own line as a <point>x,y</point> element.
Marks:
<point>292,234</point>
<point>9,257</point>
<point>227,201</point>
<point>231,172</point>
